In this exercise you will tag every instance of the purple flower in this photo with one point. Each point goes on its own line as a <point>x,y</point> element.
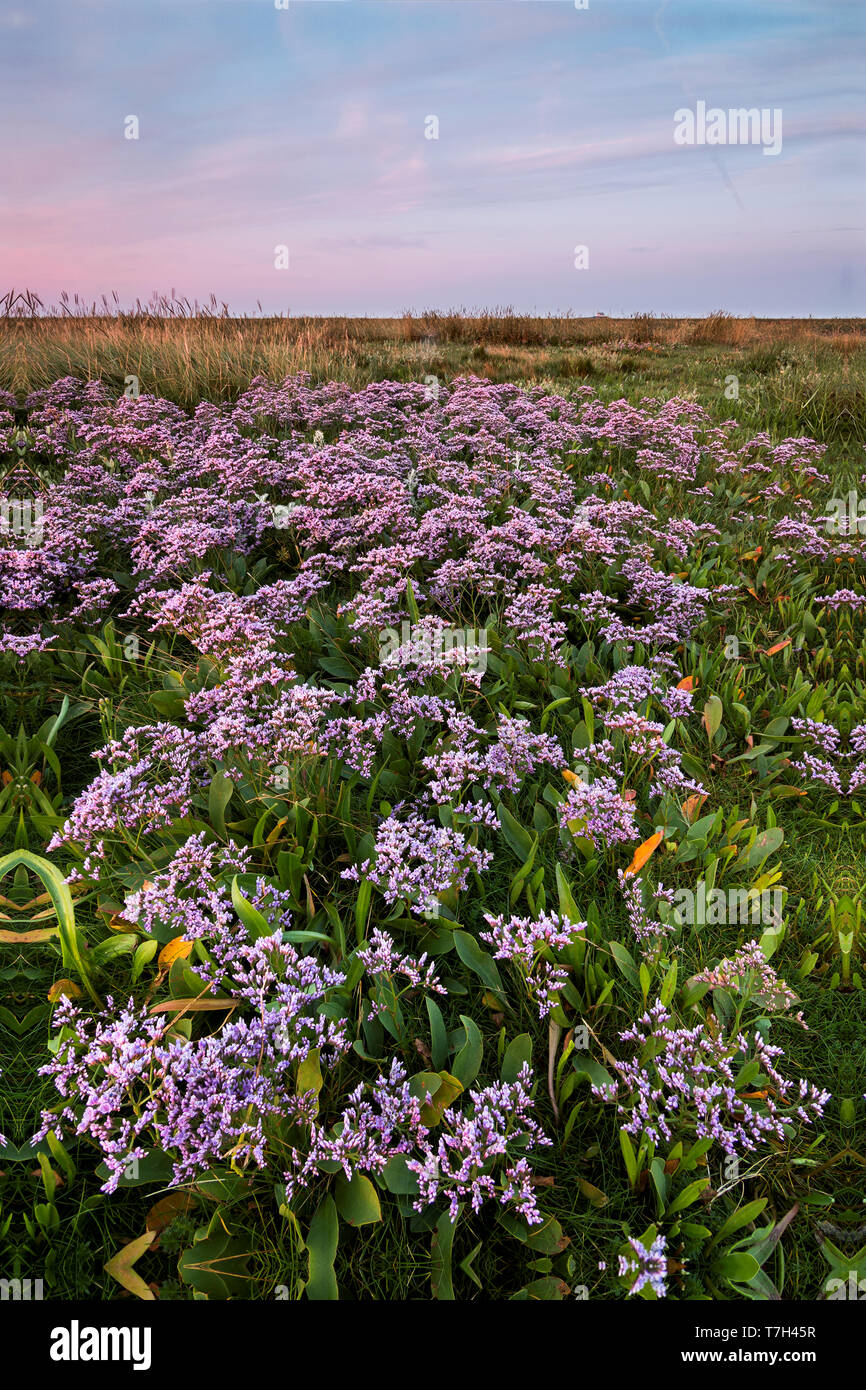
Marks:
<point>646,1267</point>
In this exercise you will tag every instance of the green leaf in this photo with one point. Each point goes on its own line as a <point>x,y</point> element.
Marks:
<point>517,1053</point>
<point>546,1239</point>
<point>362,907</point>
<point>438,1035</point>
<point>567,905</point>
<point>143,955</point>
<point>168,703</point>
<point>412,603</point>
<point>735,1266</point>
<point>357,1201</point>
<point>398,1178</point>
<point>324,1233</point>
<point>255,923</point>
<point>587,1066</point>
<point>442,1087</point>
<point>630,1157</point>
<point>625,962</point>
<point>669,985</point>
<point>767,843</point>
<point>740,1218</point>
<point>219,795</point>
<point>217,1266</point>
<point>441,1247</point>
<point>121,945</point>
<point>467,1063</point>
<point>519,840</point>
<point>712,716</point>
<point>549,1289</point>
<point>309,1076</point>
<point>660,1181</point>
<point>154,1167</point>
<point>71,939</point>
<point>479,961</point>
<point>687,1196</point>
<point>338,667</point>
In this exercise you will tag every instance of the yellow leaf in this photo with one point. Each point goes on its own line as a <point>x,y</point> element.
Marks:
<point>117,923</point>
<point>779,647</point>
<point>692,805</point>
<point>18,938</point>
<point>447,1093</point>
<point>643,852</point>
<point>275,833</point>
<point>593,1194</point>
<point>67,987</point>
<point>310,1073</point>
<point>120,1267</point>
<point>178,949</point>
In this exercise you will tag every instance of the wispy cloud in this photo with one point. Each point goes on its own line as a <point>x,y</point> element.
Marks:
<point>311,127</point>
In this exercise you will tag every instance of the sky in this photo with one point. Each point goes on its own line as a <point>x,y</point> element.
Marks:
<point>377,156</point>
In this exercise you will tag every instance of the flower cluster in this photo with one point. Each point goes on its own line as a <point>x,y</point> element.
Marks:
<point>414,861</point>
<point>529,944</point>
<point>692,1079</point>
<point>646,1267</point>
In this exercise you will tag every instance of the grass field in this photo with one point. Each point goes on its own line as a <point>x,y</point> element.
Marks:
<point>645,751</point>
<point>795,375</point>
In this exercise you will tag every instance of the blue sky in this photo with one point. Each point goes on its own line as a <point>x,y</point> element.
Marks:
<point>305,127</point>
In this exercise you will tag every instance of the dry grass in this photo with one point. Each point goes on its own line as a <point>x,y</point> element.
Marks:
<point>191,352</point>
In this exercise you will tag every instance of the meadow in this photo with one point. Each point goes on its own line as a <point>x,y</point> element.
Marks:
<point>432,806</point>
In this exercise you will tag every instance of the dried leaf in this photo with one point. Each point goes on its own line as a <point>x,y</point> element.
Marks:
<point>162,1215</point>
<point>692,805</point>
<point>554,1033</point>
<point>643,852</point>
<point>67,987</point>
<point>117,923</point>
<point>178,949</point>
<point>21,937</point>
<point>197,1006</point>
<point>120,1267</point>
